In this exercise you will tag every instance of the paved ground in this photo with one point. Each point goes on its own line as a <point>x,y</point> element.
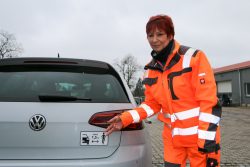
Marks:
<point>235,138</point>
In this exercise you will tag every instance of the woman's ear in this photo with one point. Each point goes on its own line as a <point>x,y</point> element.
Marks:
<point>170,38</point>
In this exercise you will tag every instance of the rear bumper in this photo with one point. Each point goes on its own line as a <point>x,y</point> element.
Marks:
<point>130,153</point>
<point>123,157</point>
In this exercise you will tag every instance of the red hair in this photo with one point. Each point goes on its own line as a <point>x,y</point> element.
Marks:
<point>161,22</point>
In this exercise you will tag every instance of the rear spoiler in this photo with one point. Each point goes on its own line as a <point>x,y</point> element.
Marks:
<point>53,61</point>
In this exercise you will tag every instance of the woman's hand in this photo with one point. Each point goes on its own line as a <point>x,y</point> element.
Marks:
<point>116,124</point>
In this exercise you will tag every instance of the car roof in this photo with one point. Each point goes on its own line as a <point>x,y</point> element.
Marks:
<point>53,61</point>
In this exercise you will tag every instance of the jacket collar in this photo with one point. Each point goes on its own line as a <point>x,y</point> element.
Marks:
<point>172,60</point>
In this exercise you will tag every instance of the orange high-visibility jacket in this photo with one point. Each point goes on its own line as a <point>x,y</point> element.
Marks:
<point>184,93</point>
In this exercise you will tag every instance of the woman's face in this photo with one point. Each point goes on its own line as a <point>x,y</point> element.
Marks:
<point>158,40</point>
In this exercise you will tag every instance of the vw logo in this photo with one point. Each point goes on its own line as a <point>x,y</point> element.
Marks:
<point>37,122</point>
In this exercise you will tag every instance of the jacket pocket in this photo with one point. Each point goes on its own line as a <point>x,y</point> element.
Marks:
<point>149,81</point>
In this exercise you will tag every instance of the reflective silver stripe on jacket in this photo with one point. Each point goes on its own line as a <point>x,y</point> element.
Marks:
<point>209,118</point>
<point>207,135</point>
<point>146,74</point>
<point>135,115</point>
<point>183,115</point>
<point>169,126</point>
<point>185,131</point>
<point>188,114</point>
<point>166,115</point>
<point>187,57</point>
<point>202,134</point>
<point>148,110</point>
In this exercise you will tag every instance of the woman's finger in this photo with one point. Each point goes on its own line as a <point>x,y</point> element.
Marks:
<point>109,127</point>
<point>116,125</point>
<point>113,120</point>
<point>110,131</point>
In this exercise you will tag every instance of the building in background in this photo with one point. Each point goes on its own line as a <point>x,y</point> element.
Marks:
<point>234,81</point>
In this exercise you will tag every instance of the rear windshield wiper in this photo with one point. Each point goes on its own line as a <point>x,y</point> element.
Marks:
<point>44,97</point>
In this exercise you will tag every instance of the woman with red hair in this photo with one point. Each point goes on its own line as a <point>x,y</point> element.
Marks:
<point>180,86</point>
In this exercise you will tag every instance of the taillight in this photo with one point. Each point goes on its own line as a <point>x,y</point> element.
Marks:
<point>101,120</point>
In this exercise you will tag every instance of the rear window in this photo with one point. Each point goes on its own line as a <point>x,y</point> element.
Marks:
<point>24,83</point>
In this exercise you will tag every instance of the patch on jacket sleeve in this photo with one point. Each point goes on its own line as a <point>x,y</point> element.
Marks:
<point>202,80</point>
<point>149,81</point>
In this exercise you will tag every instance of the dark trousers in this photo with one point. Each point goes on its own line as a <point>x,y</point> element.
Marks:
<point>226,102</point>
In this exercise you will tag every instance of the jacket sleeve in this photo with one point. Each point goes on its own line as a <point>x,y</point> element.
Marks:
<point>210,109</point>
<point>145,110</point>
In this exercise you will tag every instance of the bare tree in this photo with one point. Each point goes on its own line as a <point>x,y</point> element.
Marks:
<point>8,45</point>
<point>128,67</point>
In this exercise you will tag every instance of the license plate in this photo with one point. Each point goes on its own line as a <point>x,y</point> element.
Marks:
<point>93,139</point>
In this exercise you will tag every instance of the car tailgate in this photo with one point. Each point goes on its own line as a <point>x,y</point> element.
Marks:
<point>66,124</point>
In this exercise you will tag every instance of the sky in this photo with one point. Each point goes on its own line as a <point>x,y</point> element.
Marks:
<point>108,29</point>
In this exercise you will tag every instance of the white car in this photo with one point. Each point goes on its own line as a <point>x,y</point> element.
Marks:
<point>53,112</point>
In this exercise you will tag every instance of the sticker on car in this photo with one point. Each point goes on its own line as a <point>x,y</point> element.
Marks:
<point>93,139</point>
